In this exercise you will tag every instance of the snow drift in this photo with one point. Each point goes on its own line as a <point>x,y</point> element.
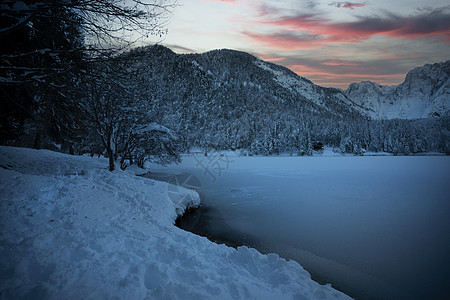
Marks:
<point>70,229</point>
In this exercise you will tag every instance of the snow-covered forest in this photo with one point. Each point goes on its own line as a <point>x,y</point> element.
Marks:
<point>227,99</point>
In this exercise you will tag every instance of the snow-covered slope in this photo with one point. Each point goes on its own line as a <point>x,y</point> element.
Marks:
<point>326,98</point>
<point>425,93</point>
<point>70,229</point>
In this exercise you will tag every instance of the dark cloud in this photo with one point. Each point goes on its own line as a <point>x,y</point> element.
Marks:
<point>272,11</point>
<point>311,4</point>
<point>350,5</point>
<point>287,40</point>
<point>265,10</point>
<point>436,22</point>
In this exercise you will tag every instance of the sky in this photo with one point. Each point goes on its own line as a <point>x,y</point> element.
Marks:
<point>332,43</point>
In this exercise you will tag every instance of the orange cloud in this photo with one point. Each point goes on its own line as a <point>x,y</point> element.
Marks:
<point>325,77</point>
<point>336,62</point>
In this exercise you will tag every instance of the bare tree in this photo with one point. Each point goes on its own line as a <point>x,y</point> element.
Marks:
<point>44,45</point>
<point>104,27</point>
<point>114,105</point>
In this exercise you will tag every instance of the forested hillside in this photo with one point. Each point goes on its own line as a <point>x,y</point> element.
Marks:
<point>227,99</point>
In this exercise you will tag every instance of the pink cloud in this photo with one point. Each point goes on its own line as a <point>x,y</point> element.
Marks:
<point>311,31</point>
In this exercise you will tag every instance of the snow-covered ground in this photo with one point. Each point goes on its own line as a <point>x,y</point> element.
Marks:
<point>70,229</point>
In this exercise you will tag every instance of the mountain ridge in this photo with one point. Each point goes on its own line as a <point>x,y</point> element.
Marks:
<point>425,92</point>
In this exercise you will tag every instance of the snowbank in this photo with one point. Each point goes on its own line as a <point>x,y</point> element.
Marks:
<point>70,229</point>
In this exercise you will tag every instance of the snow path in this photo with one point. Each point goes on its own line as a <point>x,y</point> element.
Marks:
<point>70,229</point>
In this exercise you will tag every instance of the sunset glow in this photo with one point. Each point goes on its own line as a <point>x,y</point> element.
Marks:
<point>331,43</point>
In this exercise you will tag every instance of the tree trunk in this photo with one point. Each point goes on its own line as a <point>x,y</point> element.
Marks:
<point>111,159</point>
<point>37,141</point>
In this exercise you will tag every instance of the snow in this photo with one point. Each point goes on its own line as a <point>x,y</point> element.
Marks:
<point>293,82</point>
<point>153,127</point>
<point>73,230</point>
<point>303,87</point>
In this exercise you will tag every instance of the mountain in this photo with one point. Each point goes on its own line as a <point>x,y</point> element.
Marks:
<point>425,93</point>
<point>229,72</point>
<point>226,99</point>
<point>270,77</point>
<point>229,99</point>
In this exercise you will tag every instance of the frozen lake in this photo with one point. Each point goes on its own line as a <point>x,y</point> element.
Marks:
<point>374,227</point>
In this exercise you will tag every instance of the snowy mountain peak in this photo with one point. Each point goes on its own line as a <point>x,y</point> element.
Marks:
<point>427,80</point>
<point>425,93</point>
<point>367,86</point>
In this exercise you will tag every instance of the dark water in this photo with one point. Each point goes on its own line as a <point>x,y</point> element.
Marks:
<point>376,228</point>
<point>207,221</point>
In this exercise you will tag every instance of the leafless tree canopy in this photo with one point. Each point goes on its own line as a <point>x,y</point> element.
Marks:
<point>104,21</point>
<point>45,46</point>
<point>102,26</point>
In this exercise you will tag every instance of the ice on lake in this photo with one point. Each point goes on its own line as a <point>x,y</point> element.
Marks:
<point>375,227</point>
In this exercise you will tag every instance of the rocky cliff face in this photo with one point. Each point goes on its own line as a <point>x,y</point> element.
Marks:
<point>425,93</point>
